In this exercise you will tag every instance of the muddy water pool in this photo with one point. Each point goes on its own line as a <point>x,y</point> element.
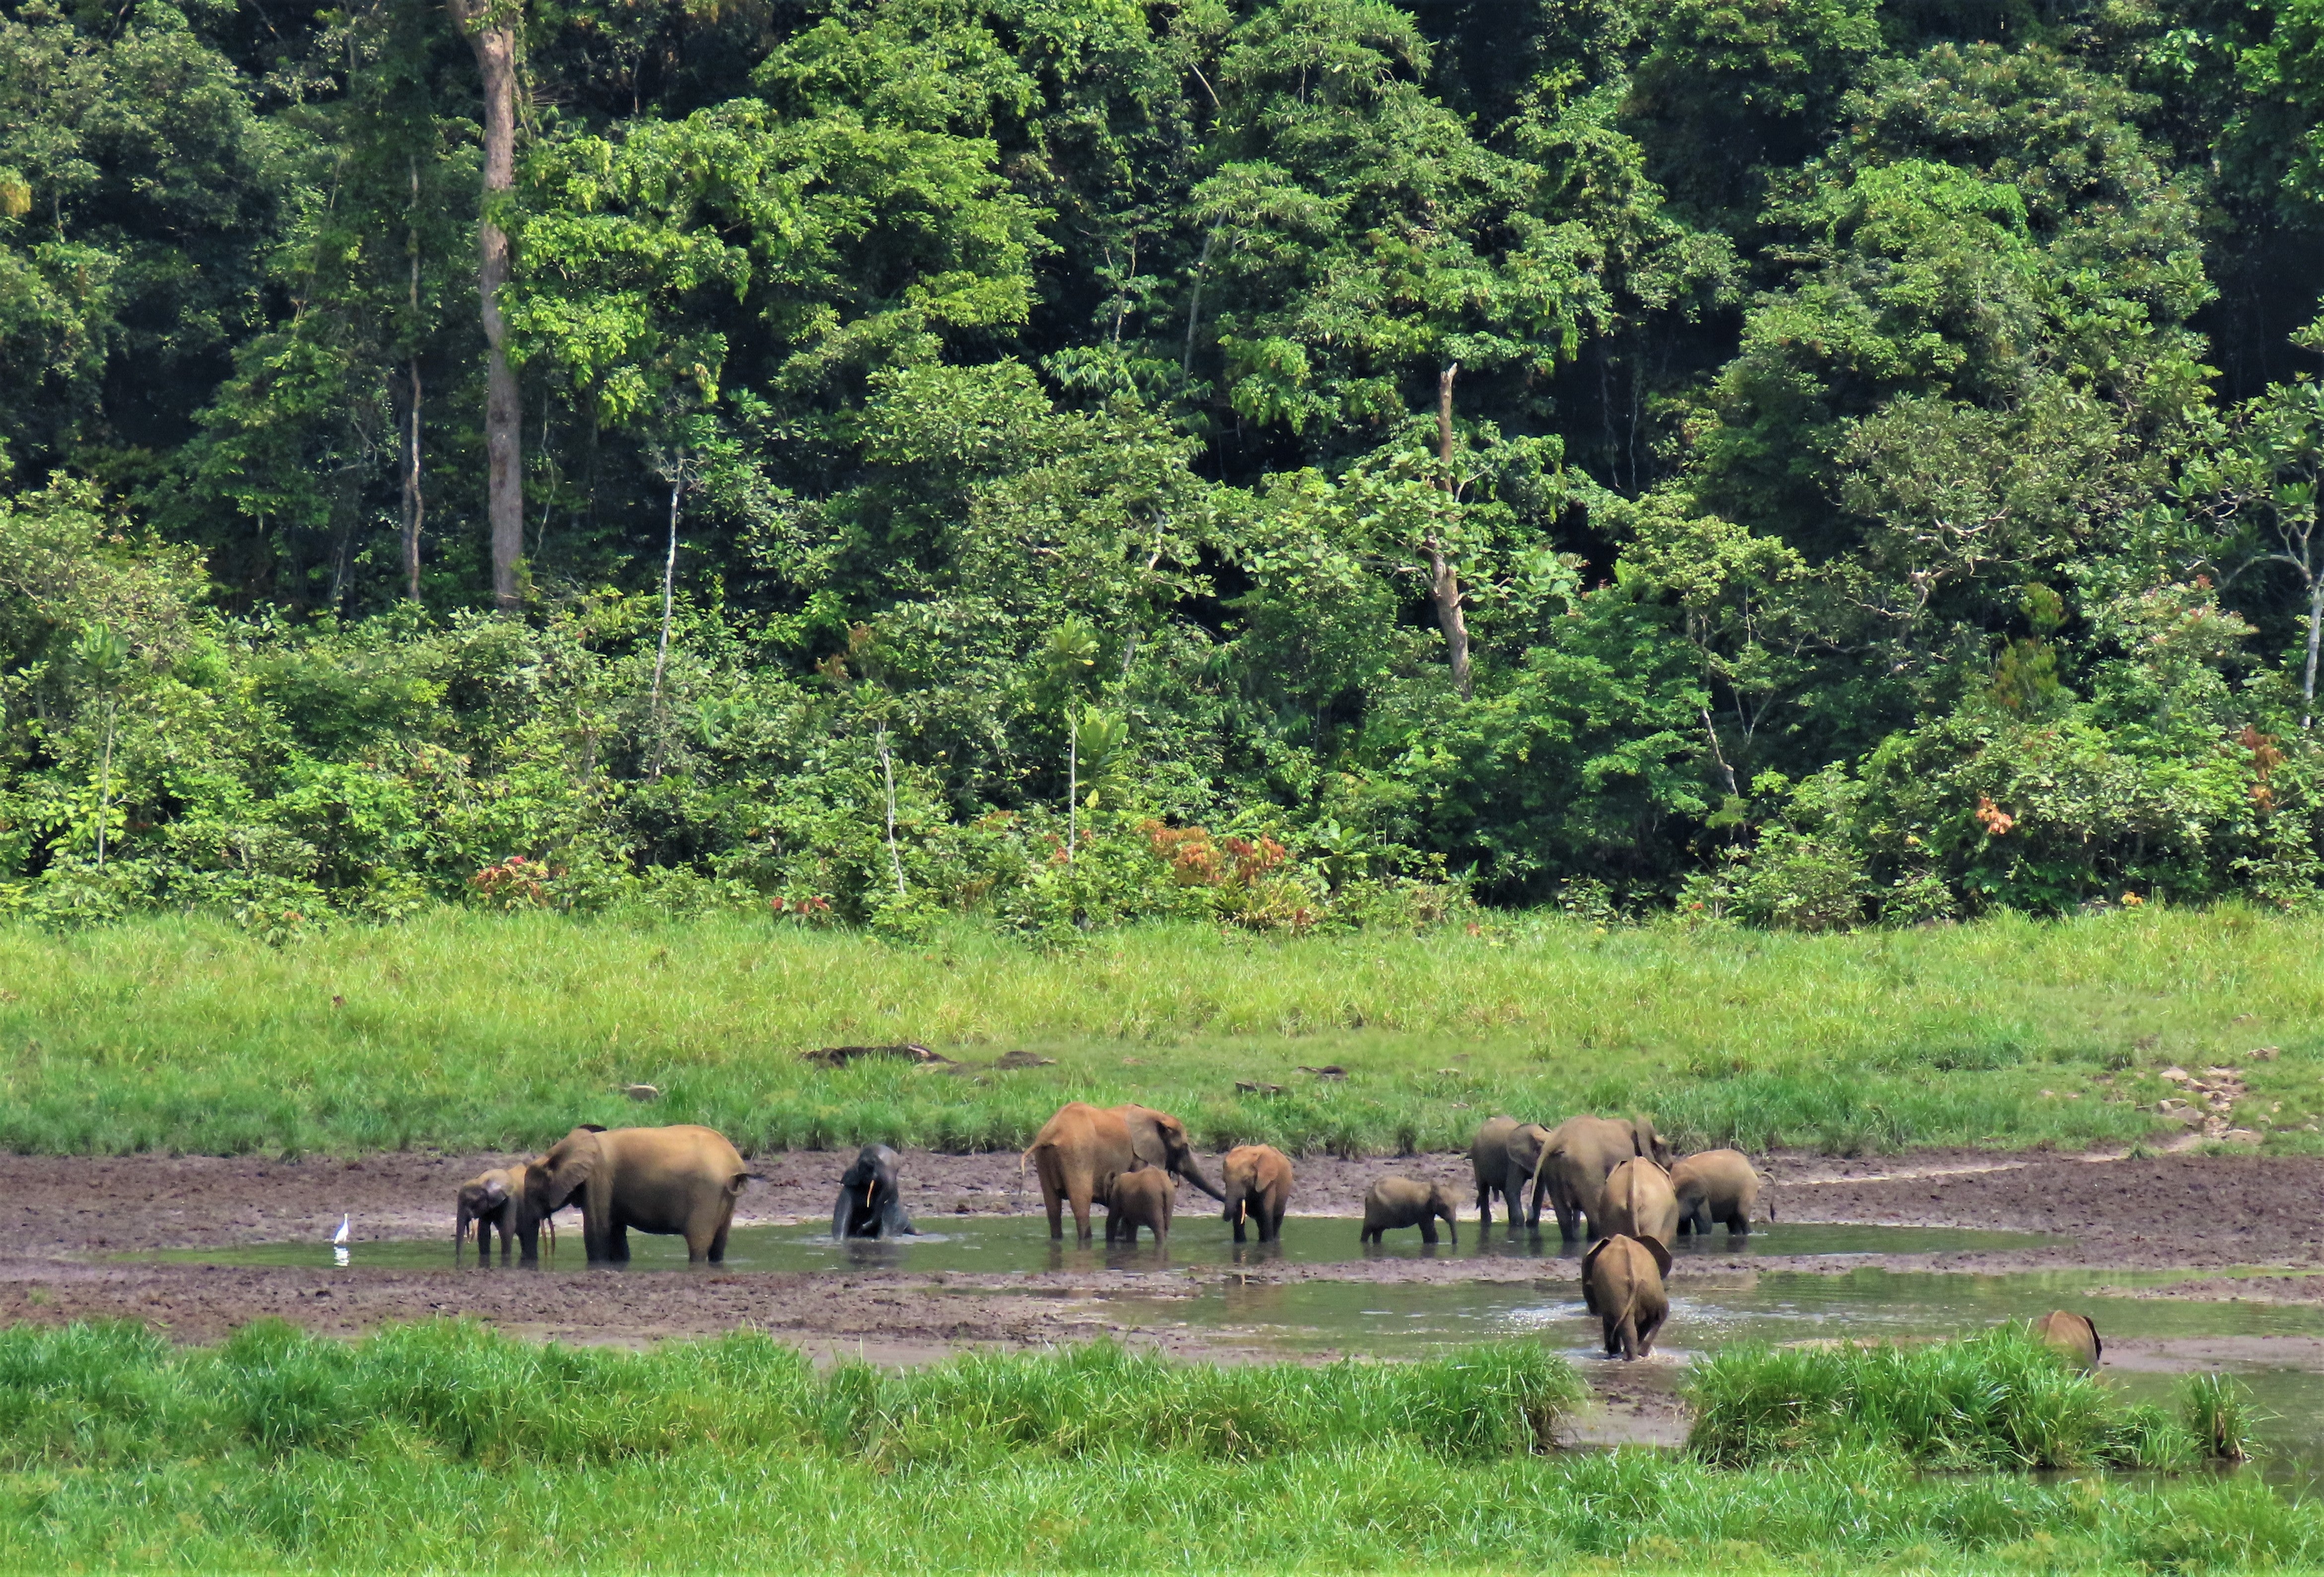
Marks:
<point>1007,1244</point>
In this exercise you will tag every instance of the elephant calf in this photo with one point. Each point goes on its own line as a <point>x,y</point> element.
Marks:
<point>870,1204</point>
<point>1142,1198</point>
<point>1258,1188</point>
<point>1717,1185</point>
<point>1404,1202</point>
<point>496,1199</point>
<point>1622,1285</point>
<point>1506,1156</point>
<point>2075,1335</point>
<point>1637,1202</point>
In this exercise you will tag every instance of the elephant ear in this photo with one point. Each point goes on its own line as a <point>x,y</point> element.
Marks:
<point>570,1163</point>
<point>1662,1256</point>
<point>496,1190</point>
<point>1646,1142</point>
<point>1589,1263</point>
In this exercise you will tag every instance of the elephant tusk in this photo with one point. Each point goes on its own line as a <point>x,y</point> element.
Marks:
<point>867,1192</point>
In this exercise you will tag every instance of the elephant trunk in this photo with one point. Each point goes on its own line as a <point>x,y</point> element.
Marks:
<point>841,1210</point>
<point>460,1231</point>
<point>1192,1173</point>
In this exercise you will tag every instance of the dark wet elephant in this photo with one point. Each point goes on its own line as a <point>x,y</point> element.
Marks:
<point>870,1204</point>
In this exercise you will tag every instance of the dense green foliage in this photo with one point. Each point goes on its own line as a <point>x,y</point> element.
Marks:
<point>1877,478</point>
<point>471,1032</point>
<point>2001,1400</point>
<point>444,1448</point>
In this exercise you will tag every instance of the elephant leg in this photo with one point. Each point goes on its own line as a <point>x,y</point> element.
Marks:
<point>1055,1205</point>
<point>1569,1218</point>
<point>1484,1204</point>
<point>1646,1335</point>
<point>1428,1231</point>
<point>1627,1333</point>
<point>617,1243</point>
<point>1612,1324</point>
<point>1082,1191</point>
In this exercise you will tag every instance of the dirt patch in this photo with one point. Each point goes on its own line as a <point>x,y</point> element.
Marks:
<point>60,1217</point>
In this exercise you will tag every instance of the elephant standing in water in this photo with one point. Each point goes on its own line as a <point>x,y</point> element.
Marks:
<point>1717,1185</point>
<point>1506,1156</point>
<point>680,1180</point>
<point>1258,1188</point>
<point>1141,1198</point>
<point>1405,1201</point>
<point>1637,1202</point>
<point>1622,1285</point>
<point>870,1204</point>
<point>1082,1149</point>
<point>496,1200</point>
<point>1583,1153</point>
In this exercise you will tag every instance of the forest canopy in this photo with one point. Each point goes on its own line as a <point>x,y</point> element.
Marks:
<point>1803,462</point>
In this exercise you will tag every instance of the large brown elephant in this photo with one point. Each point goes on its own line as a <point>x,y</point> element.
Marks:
<point>1506,1156</point>
<point>494,1200</point>
<point>1082,1149</point>
<point>1717,1185</point>
<point>681,1180</point>
<point>1258,1189</point>
<point>1583,1153</point>
<point>1622,1285</point>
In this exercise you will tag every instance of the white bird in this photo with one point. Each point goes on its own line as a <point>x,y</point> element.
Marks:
<point>339,1238</point>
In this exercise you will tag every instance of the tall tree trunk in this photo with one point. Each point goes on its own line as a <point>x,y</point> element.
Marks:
<point>2315,640</point>
<point>415,506</point>
<point>491,29</point>
<point>1444,579</point>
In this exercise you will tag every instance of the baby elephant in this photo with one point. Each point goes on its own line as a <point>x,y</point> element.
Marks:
<point>496,1199</point>
<point>1402,1201</point>
<point>1717,1185</point>
<point>869,1204</point>
<point>1622,1285</point>
<point>2072,1334</point>
<point>1258,1188</point>
<point>1142,1198</point>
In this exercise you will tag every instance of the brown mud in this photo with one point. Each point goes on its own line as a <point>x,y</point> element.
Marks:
<point>63,1219</point>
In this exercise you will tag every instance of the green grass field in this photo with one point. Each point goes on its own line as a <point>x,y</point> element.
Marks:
<point>469,1030</point>
<point>445,1448</point>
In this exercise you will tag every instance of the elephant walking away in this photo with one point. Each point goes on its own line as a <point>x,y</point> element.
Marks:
<point>1637,1202</point>
<point>2075,1335</point>
<point>1622,1285</point>
<point>1717,1185</point>
<point>496,1200</point>
<point>1404,1202</point>
<point>1142,1198</point>
<point>681,1181</point>
<point>1258,1189</point>
<point>1082,1149</point>
<point>1506,1156</point>
<point>869,1204</point>
<point>1583,1152</point>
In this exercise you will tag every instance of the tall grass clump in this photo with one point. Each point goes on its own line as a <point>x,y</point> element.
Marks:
<point>83,1394</point>
<point>1488,1401</point>
<point>2000,1400</point>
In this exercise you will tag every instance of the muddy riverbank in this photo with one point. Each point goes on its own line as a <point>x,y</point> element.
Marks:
<point>65,1220</point>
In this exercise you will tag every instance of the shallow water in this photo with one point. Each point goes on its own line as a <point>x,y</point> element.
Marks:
<point>1005,1244</point>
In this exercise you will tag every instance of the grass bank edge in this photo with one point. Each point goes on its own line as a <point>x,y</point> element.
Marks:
<point>472,1031</point>
<point>443,1445</point>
